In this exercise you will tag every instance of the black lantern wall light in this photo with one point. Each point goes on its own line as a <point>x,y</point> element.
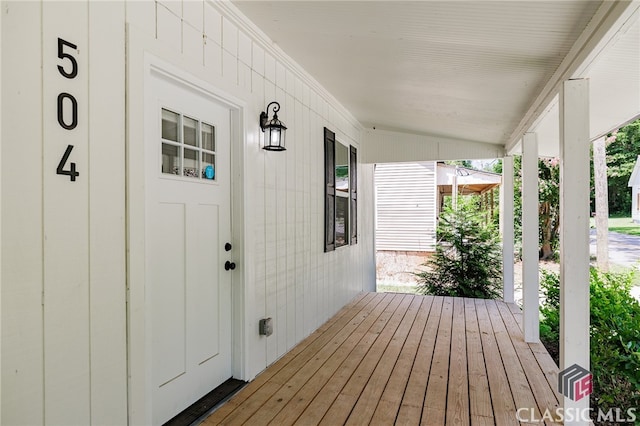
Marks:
<point>274,130</point>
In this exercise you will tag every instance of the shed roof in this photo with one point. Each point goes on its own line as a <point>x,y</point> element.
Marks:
<point>470,181</point>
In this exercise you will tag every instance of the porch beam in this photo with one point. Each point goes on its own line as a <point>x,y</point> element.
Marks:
<point>386,146</point>
<point>574,230</point>
<point>530,238</point>
<point>506,224</point>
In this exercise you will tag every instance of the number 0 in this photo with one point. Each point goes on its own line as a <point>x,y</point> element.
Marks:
<point>74,111</point>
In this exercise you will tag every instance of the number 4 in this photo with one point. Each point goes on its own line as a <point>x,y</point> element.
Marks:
<point>72,170</point>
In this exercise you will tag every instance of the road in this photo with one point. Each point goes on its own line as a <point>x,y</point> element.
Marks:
<point>624,250</point>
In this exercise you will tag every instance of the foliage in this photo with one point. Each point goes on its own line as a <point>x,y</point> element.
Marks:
<point>615,336</point>
<point>462,163</point>
<point>623,149</point>
<point>548,204</point>
<point>467,261</point>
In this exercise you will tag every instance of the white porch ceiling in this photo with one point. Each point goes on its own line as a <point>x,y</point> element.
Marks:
<point>614,85</point>
<point>470,70</point>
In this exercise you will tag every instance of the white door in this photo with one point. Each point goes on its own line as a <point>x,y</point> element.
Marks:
<point>188,224</point>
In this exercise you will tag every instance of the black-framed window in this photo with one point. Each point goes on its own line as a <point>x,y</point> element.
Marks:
<point>341,201</point>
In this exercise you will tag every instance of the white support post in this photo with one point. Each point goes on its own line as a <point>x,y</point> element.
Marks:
<point>602,204</point>
<point>454,190</point>
<point>530,238</point>
<point>506,225</point>
<point>1,400</point>
<point>574,232</point>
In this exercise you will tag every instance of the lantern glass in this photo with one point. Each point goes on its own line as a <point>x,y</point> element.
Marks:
<point>275,138</point>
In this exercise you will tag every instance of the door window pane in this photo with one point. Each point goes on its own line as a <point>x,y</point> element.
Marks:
<point>190,131</point>
<point>170,159</point>
<point>170,125</point>
<point>191,161</point>
<point>208,166</point>
<point>208,137</point>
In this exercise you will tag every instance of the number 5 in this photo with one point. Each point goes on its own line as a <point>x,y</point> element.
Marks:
<point>63,55</point>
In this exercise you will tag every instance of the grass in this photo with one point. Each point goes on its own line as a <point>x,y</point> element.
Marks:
<point>395,287</point>
<point>623,225</point>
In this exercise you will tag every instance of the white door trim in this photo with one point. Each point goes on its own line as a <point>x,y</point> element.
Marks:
<point>144,56</point>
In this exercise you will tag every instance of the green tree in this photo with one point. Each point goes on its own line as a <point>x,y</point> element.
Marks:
<point>622,152</point>
<point>462,163</point>
<point>467,261</point>
<point>549,206</point>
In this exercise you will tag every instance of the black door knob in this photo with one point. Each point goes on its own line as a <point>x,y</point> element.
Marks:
<point>227,247</point>
<point>229,266</point>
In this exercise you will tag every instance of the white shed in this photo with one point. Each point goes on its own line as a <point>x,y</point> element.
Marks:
<point>406,206</point>
<point>634,183</point>
<point>409,197</point>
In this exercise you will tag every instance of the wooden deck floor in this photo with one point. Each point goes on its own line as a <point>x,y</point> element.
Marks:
<point>402,359</point>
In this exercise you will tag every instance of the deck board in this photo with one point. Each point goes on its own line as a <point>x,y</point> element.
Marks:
<point>458,386</point>
<point>314,413</point>
<point>413,400</point>
<point>480,407</point>
<point>378,380</point>
<point>339,413</point>
<point>310,389</point>
<point>389,404</point>
<point>405,360</point>
<point>520,388</point>
<point>435,410</point>
<point>544,394</point>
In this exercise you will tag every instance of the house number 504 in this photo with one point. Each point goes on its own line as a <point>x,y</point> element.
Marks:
<point>68,69</point>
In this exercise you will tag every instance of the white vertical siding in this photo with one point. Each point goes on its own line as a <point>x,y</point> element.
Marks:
<point>63,292</point>
<point>406,206</point>
<point>66,322</point>
<point>107,273</point>
<point>22,336</point>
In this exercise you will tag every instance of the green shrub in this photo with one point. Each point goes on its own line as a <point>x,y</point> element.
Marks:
<point>467,261</point>
<point>615,336</point>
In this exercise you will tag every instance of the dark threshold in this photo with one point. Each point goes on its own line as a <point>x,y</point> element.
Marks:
<point>204,405</point>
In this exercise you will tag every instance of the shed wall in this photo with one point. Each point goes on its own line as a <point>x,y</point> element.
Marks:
<point>635,203</point>
<point>406,197</point>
